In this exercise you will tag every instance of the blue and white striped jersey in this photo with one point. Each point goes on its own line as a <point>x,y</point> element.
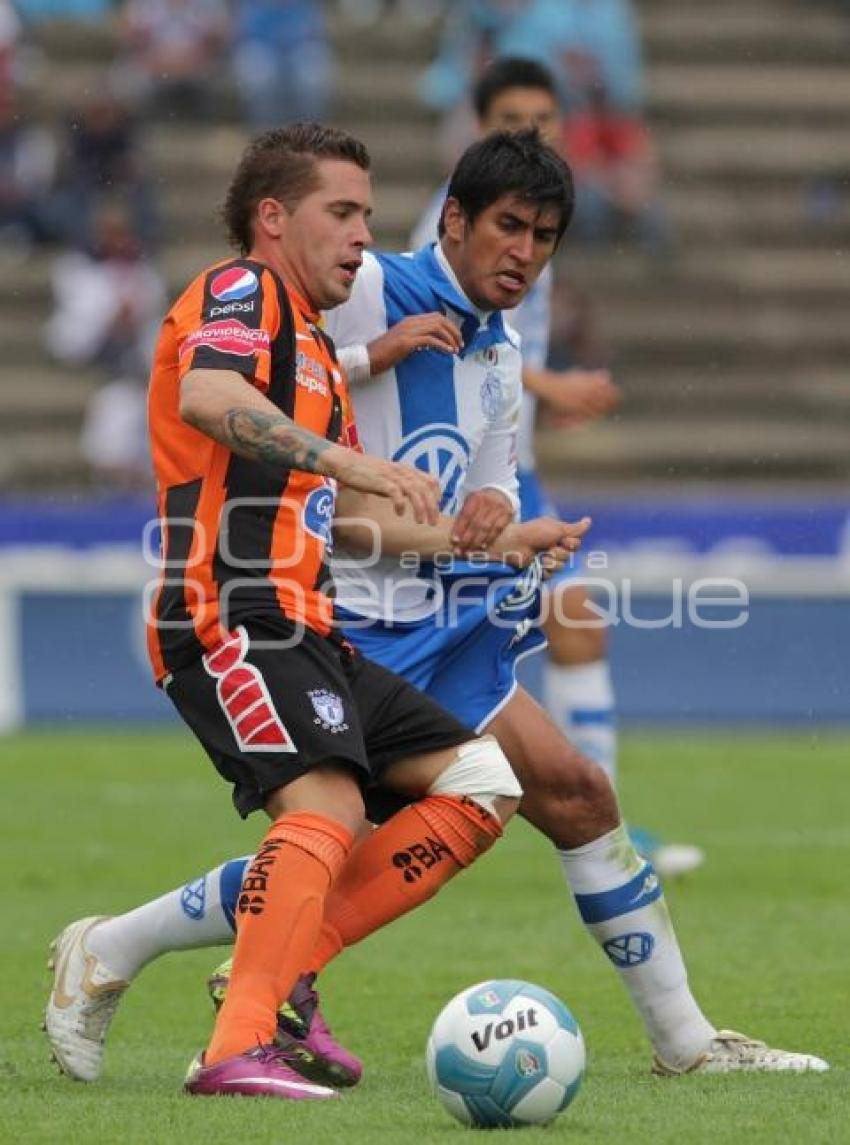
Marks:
<point>454,416</point>
<point>531,320</point>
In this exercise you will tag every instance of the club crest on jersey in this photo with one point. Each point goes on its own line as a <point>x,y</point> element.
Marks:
<point>442,452</point>
<point>492,396</point>
<point>318,513</point>
<point>329,709</point>
<point>233,284</point>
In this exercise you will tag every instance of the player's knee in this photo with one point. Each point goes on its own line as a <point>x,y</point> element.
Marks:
<point>569,647</point>
<point>481,771</point>
<point>572,801</point>
<point>573,629</point>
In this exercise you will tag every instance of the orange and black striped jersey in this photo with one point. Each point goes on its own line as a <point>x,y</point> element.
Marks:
<point>240,541</point>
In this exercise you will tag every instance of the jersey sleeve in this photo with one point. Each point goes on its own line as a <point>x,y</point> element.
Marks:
<point>228,321</point>
<point>494,465</point>
<point>360,320</point>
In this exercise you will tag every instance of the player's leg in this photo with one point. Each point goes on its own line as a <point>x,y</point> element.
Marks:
<point>233,699</point>
<point>620,898</point>
<point>457,814</point>
<point>314,821</point>
<point>577,688</point>
<point>579,696</point>
<point>446,807</point>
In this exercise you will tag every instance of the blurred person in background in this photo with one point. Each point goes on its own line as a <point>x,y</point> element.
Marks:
<point>515,93</point>
<point>282,62</point>
<point>365,12</point>
<point>616,167</point>
<point>101,157</point>
<point>27,171</point>
<point>10,30</point>
<point>113,440</point>
<point>109,299</point>
<point>94,10</point>
<point>171,52</point>
<point>562,34</point>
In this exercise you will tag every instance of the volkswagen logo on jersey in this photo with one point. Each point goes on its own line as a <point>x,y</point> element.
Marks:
<point>230,285</point>
<point>319,513</point>
<point>442,452</point>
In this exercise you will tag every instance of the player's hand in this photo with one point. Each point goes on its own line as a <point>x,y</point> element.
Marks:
<point>417,332</point>
<point>554,540</point>
<point>485,514</point>
<point>402,484</point>
<point>576,396</point>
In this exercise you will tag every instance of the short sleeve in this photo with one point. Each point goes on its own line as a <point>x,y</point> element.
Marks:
<point>228,320</point>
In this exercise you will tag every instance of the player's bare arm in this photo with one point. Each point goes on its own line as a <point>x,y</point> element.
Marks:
<point>417,332</point>
<point>363,520</point>
<point>227,408</point>
<point>580,395</point>
<point>483,516</point>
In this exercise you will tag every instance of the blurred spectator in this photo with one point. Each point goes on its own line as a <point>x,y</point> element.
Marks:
<point>568,36</point>
<point>616,170</point>
<point>109,301</point>
<point>114,435</point>
<point>364,12</point>
<point>65,9</point>
<point>10,30</point>
<point>102,158</point>
<point>281,60</point>
<point>172,52</point>
<point>27,170</point>
<point>575,339</point>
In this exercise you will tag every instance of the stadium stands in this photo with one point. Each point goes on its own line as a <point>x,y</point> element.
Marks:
<point>733,353</point>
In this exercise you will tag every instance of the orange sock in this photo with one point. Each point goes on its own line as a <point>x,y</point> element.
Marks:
<point>402,865</point>
<point>278,917</point>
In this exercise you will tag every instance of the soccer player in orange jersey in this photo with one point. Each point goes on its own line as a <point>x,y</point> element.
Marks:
<point>251,434</point>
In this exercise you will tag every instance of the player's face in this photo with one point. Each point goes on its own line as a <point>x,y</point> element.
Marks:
<point>320,243</point>
<point>518,108</point>
<point>498,258</point>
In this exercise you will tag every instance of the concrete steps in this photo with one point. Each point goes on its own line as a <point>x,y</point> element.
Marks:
<point>732,352</point>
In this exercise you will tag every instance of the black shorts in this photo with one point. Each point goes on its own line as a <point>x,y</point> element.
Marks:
<point>266,713</point>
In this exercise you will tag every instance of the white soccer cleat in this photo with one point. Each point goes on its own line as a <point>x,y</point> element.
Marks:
<point>730,1052</point>
<point>82,1003</point>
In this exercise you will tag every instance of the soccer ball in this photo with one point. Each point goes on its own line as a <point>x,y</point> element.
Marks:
<point>505,1053</point>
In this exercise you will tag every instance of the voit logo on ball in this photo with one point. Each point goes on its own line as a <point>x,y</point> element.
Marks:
<point>233,284</point>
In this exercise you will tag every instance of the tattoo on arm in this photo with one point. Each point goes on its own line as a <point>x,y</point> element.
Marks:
<point>274,440</point>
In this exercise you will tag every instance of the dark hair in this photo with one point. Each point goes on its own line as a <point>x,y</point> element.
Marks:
<point>281,164</point>
<point>512,163</point>
<point>510,72</point>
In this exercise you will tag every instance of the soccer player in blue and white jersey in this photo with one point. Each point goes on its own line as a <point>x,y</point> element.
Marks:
<point>452,407</point>
<point>512,94</point>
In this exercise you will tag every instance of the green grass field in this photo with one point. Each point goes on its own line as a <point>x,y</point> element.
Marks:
<point>96,822</point>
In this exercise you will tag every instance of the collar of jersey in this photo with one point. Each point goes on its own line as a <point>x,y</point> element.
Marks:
<point>303,306</point>
<point>478,329</point>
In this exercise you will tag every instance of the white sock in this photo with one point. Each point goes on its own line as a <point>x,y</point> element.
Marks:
<point>580,699</point>
<point>620,900</point>
<point>195,915</point>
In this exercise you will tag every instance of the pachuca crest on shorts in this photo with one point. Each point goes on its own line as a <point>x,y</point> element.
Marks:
<point>239,540</point>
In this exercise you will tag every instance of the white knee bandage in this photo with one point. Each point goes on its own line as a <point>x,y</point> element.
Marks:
<point>481,771</point>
